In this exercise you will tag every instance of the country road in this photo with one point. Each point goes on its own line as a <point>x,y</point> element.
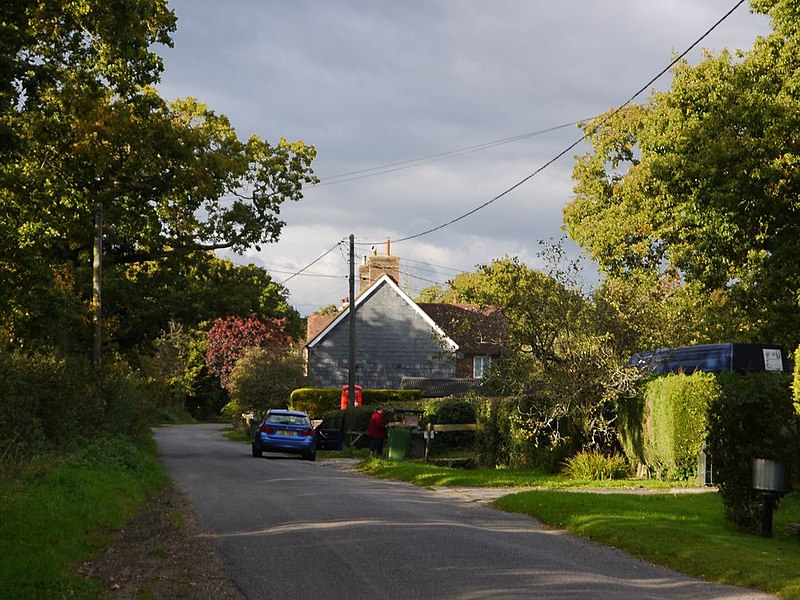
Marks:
<point>288,528</point>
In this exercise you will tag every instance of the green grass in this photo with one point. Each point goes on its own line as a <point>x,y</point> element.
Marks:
<point>60,511</point>
<point>428,475</point>
<point>685,532</point>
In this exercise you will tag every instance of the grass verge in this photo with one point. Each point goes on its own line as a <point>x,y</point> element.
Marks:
<point>684,532</point>
<point>424,474</point>
<point>60,510</point>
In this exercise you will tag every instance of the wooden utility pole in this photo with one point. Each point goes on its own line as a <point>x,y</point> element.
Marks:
<point>351,362</point>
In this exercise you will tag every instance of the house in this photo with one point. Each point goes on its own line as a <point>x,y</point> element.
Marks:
<point>398,339</point>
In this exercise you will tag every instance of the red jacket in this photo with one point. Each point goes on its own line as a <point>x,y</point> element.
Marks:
<point>377,426</point>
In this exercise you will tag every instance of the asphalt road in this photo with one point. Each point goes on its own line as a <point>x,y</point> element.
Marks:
<point>288,529</point>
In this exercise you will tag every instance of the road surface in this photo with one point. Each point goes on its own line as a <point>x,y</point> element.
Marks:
<point>289,528</point>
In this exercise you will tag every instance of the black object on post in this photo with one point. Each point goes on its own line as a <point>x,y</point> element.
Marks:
<point>768,478</point>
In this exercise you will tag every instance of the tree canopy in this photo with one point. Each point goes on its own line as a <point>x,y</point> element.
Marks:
<point>83,131</point>
<point>702,183</point>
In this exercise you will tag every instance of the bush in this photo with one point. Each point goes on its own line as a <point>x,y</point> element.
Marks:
<point>752,418</point>
<point>315,401</point>
<point>52,402</point>
<point>507,435</point>
<point>675,418</point>
<point>320,401</point>
<point>595,466</point>
<point>264,378</point>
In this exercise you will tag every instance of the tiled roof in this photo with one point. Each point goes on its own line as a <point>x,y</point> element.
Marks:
<point>476,330</point>
<point>439,388</point>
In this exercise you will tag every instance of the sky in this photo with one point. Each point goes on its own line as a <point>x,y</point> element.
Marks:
<point>422,111</point>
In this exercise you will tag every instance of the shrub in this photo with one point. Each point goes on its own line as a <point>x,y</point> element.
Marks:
<point>675,418</point>
<point>449,410</point>
<point>315,401</point>
<point>752,418</point>
<point>507,435</point>
<point>595,466</point>
<point>264,378</point>
<point>320,401</point>
<point>59,403</point>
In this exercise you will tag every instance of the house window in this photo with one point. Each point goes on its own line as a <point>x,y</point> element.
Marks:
<point>480,366</point>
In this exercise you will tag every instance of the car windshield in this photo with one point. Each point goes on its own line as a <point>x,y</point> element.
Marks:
<point>279,419</point>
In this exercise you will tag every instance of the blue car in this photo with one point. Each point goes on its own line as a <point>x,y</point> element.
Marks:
<point>291,431</point>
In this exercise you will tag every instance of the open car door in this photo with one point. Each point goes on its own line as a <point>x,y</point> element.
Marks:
<point>330,433</point>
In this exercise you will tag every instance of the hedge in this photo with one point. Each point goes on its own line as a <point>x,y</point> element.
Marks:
<point>753,417</point>
<point>320,401</point>
<point>676,409</point>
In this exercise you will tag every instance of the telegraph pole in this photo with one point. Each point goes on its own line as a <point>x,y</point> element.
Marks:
<point>351,366</point>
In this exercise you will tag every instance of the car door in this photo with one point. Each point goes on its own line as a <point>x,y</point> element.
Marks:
<point>330,433</point>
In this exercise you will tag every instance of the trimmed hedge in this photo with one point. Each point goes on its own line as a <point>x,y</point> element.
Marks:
<point>320,401</point>
<point>753,417</point>
<point>676,409</point>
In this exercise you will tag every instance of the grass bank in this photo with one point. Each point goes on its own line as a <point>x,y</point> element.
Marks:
<point>60,509</point>
<point>684,532</point>
<point>428,475</point>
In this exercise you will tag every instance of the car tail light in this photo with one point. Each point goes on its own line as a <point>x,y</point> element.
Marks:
<point>265,429</point>
<point>308,432</point>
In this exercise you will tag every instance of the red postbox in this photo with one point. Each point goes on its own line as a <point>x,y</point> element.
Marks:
<point>346,393</point>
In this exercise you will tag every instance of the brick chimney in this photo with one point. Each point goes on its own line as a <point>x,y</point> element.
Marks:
<point>376,265</point>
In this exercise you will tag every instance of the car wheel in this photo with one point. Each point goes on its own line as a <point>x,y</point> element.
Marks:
<point>310,456</point>
<point>256,452</point>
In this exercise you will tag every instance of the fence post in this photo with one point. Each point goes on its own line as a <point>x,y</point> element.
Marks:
<point>428,441</point>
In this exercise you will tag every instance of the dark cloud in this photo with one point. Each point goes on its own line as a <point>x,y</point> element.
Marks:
<point>373,84</point>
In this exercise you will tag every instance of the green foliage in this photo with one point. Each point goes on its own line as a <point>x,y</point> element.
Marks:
<point>449,410</point>
<point>752,418</point>
<point>143,300</point>
<point>556,342</point>
<point>53,517</point>
<point>83,132</point>
<point>315,401</point>
<point>593,465</point>
<point>320,401</point>
<point>59,403</point>
<point>674,422</point>
<point>507,437</point>
<point>698,188</point>
<point>264,378</point>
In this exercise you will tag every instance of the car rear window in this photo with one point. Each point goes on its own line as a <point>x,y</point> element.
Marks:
<point>288,420</point>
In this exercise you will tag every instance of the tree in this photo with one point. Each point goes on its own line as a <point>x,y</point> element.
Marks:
<point>264,378</point>
<point>557,352</point>
<point>83,135</point>
<point>142,299</point>
<point>229,338</point>
<point>702,181</point>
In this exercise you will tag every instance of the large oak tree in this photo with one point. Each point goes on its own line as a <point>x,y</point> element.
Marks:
<point>83,133</point>
<point>701,185</point>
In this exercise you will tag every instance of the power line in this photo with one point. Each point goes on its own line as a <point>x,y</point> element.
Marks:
<point>414,162</point>
<point>323,255</point>
<point>579,140</point>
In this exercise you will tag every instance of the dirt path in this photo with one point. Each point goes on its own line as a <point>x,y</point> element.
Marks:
<point>162,555</point>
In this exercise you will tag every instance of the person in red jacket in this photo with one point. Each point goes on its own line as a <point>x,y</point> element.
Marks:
<point>376,431</point>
